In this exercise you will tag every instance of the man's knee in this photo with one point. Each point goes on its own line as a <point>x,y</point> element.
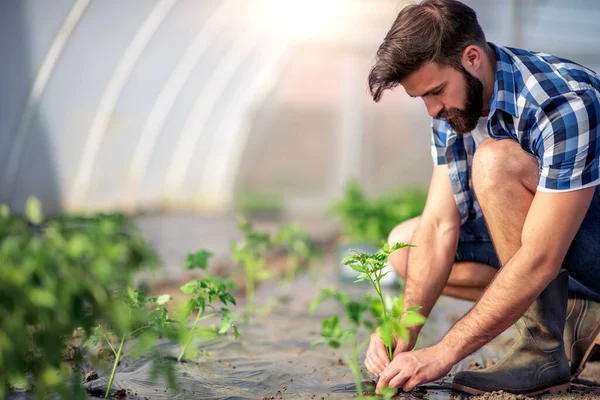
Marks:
<point>497,162</point>
<point>402,233</point>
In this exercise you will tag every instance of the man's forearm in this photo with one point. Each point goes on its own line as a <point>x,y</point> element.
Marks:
<point>429,265</point>
<point>506,299</point>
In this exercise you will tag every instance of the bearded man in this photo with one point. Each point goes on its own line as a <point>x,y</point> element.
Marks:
<point>512,219</point>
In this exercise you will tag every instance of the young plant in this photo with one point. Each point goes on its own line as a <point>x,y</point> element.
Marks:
<point>148,321</point>
<point>251,253</point>
<point>297,242</point>
<point>204,293</point>
<point>337,336</point>
<point>58,274</point>
<point>370,268</point>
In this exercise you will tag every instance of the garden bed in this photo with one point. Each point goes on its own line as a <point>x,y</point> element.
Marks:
<point>273,358</point>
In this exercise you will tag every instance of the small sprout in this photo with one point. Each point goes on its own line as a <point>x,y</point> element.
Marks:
<point>297,243</point>
<point>204,293</point>
<point>251,253</point>
<point>389,316</point>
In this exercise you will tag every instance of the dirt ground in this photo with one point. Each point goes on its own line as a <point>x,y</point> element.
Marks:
<point>273,358</point>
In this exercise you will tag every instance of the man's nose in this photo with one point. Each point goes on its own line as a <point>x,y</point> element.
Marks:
<point>433,107</point>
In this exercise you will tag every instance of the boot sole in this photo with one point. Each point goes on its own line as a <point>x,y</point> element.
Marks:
<point>559,389</point>
<point>588,354</point>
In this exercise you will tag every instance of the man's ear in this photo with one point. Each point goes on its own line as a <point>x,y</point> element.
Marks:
<point>472,57</point>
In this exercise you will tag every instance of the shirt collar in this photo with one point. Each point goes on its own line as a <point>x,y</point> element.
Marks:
<point>505,96</point>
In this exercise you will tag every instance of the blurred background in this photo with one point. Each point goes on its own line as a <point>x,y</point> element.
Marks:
<point>183,114</point>
<point>196,105</point>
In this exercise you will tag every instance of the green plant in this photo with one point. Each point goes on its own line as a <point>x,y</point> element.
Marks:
<point>336,335</point>
<point>371,220</point>
<point>251,253</point>
<point>57,275</point>
<point>204,292</point>
<point>370,268</point>
<point>297,242</point>
<point>387,313</point>
<point>147,321</point>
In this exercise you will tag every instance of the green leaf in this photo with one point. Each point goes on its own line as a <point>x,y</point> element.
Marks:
<point>190,287</point>
<point>414,308</point>
<point>402,332</point>
<point>201,301</point>
<point>386,333</point>
<point>4,211</point>
<point>354,311</point>
<point>413,319</point>
<point>226,322</point>
<point>362,277</point>
<point>198,260</point>
<point>33,210</point>
<point>41,297</point>
<point>163,298</point>
<point>227,298</point>
<point>236,333</point>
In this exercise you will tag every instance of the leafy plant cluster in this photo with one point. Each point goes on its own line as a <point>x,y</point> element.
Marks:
<point>371,220</point>
<point>68,280</point>
<point>59,275</point>
<point>367,313</point>
<point>297,243</point>
<point>252,250</point>
<point>148,320</point>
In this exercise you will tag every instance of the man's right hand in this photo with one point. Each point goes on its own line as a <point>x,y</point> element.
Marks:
<point>377,357</point>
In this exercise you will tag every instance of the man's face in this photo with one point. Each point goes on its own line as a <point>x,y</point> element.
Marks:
<point>456,96</point>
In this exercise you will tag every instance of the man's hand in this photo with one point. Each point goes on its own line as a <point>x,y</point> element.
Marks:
<point>410,369</point>
<point>377,357</point>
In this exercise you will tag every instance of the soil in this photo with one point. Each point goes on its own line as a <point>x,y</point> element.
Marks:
<point>273,358</point>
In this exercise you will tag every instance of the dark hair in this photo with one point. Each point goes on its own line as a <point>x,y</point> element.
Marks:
<point>431,31</point>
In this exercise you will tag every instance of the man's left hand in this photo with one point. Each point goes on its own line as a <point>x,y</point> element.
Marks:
<point>410,369</point>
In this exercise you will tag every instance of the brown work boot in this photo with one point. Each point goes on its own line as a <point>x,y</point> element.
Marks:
<point>537,362</point>
<point>582,331</point>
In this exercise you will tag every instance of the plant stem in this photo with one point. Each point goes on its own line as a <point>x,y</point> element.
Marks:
<point>110,344</point>
<point>355,368</point>
<point>190,337</point>
<point>377,287</point>
<point>114,370</point>
<point>249,297</point>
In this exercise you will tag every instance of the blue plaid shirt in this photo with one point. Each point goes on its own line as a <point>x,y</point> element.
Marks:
<point>550,106</point>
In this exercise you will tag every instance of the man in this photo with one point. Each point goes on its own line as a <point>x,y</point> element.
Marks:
<point>514,197</point>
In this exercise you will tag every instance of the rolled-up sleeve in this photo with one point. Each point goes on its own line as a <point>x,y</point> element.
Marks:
<point>567,143</point>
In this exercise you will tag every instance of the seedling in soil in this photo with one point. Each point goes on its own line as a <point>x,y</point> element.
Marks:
<point>393,322</point>
<point>297,242</point>
<point>251,252</point>
<point>204,293</point>
<point>335,335</point>
<point>145,326</point>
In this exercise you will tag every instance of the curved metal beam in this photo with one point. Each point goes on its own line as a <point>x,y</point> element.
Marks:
<point>224,158</point>
<point>203,107</point>
<point>166,99</point>
<point>111,96</point>
<point>39,85</point>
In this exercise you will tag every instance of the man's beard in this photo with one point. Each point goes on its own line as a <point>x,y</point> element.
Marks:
<point>465,120</point>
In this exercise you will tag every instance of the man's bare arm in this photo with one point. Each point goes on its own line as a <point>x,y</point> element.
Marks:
<point>550,226</point>
<point>436,240</point>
